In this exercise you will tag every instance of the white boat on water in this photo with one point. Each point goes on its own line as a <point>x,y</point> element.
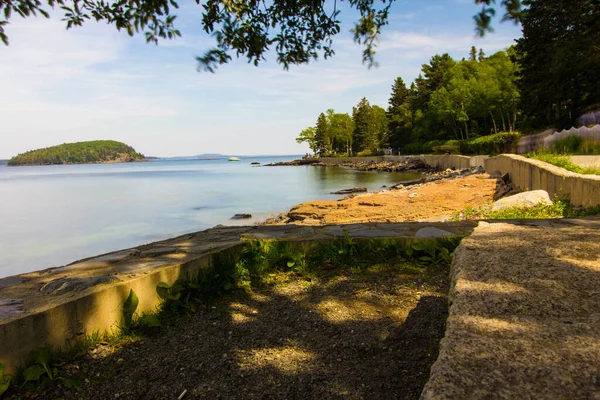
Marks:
<point>233,159</point>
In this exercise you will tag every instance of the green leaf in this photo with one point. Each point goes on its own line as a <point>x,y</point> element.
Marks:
<point>150,321</point>
<point>34,373</point>
<point>42,356</point>
<point>290,264</point>
<point>71,382</point>
<point>4,386</point>
<point>418,246</point>
<point>174,296</point>
<point>130,306</point>
<point>163,289</point>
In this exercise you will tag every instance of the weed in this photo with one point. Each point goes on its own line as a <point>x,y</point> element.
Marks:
<point>4,380</point>
<point>560,208</point>
<point>562,161</point>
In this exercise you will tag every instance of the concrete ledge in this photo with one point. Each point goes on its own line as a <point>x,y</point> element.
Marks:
<point>62,304</point>
<point>530,174</point>
<point>454,161</point>
<point>524,320</point>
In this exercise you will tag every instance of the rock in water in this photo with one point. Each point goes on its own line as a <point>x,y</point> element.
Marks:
<point>525,199</point>
<point>349,191</point>
<point>242,216</point>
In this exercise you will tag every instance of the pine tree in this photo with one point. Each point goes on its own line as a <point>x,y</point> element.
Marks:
<point>322,143</point>
<point>473,54</point>
<point>365,128</point>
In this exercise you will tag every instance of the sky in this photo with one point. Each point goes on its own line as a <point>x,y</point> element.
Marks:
<point>93,82</point>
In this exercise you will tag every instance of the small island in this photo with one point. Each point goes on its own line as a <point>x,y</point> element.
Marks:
<point>91,152</point>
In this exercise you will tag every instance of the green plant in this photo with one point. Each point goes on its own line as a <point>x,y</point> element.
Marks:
<point>502,142</point>
<point>562,161</point>
<point>575,145</point>
<point>129,307</point>
<point>4,380</point>
<point>40,365</point>
<point>560,208</point>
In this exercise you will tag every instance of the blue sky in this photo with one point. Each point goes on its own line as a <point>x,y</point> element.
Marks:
<point>96,83</point>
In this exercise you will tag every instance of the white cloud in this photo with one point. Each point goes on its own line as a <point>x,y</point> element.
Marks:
<point>95,83</point>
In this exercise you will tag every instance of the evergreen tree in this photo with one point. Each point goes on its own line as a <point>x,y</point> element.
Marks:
<point>322,143</point>
<point>365,128</point>
<point>399,114</point>
<point>473,54</point>
<point>560,61</point>
<point>481,55</point>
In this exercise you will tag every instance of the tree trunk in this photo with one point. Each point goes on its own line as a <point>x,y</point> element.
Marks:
<point>467,130</point>
<point>503,122</point>
<point>494,122</point>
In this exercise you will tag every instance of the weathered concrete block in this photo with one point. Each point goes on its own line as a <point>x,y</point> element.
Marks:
<point>529,174</point>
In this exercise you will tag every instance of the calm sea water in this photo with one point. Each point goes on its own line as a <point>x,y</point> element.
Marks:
<point>53,215</point>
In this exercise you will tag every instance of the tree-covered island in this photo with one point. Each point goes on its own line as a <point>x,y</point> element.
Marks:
<point>91,152</point>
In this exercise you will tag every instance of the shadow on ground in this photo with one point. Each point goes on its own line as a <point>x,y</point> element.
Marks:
<point>361,335</point>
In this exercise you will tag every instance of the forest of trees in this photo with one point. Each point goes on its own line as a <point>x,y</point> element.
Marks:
<point>549,79</point>
<point>450,100</point>
<point>96,151</point>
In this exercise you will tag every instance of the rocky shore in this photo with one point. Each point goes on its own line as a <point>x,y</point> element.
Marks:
<point>433,198</point>
<point>407,164</point>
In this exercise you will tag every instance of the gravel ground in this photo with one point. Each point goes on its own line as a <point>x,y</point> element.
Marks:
<point>358,335</point>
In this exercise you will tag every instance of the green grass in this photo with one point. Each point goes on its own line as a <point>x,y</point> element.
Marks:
<point>561,208</point>
<point>576,145</point>
<point>490,144</point>
<point>562,161</point>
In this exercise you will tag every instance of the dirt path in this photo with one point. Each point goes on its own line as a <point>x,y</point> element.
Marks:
<point>435,201</point>
<point>359,335</point>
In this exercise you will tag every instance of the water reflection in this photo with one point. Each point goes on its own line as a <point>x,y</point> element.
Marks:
<point>336,178</point>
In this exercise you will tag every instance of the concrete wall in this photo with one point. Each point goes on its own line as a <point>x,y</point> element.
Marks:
<point>529,174</point>
<point>98,311</point>
<point>548,138</point>
<point>438,161</point>
<point>340,160</point>
<point>454,161</point>
<point>586,161</point>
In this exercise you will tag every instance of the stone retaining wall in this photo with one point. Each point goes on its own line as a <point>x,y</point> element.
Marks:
<point>341,160</point>
<point>530,174</point>
<point>438,161</point>
<point>59,323</point>
<point>454,161</point>
<point>548,138</point>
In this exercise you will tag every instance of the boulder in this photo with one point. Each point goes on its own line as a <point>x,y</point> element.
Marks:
<point>525,199</point>
<point>349,191</point>
<point>242,216</point>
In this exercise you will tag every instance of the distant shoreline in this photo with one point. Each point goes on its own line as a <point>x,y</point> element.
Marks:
<point>85,163</point>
